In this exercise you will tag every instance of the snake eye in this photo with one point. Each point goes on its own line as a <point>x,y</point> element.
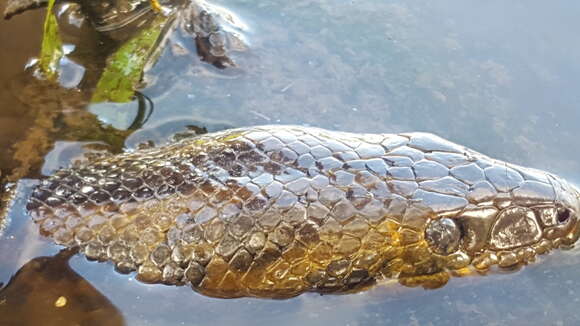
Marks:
<point>563,215</point>
<point>443,236</point>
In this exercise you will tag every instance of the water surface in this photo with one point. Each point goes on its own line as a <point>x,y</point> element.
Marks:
<point>499,77</point>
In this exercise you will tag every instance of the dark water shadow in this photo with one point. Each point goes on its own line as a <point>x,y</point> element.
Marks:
<point>46,291</point>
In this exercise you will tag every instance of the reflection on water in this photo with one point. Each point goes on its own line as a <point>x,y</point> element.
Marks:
<point>498,77</point>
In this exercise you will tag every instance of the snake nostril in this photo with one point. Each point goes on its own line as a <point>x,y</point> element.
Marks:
<point>563,215</point>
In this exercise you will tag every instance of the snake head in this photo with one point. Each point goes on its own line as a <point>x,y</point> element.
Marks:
<point>512,216</point>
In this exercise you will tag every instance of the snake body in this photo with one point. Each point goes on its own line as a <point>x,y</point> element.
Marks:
<point>275,211</point>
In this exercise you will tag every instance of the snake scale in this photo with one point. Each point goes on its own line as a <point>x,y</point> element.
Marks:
<point>276,211</point>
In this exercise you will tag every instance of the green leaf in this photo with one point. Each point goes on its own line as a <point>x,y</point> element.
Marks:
<point>51,50</point>
<point>125,67</point>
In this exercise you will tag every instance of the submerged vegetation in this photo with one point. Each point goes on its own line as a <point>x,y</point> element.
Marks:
<point>124,69</point>
<point>51,51</point>
<point>107,58</point>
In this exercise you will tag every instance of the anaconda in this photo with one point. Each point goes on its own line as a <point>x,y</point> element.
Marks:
<point>275,211</point>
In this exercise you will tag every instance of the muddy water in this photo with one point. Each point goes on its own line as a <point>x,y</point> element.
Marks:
<point>15,53</point>
<point>498,77</point>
